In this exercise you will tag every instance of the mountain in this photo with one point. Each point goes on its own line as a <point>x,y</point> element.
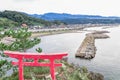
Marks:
<point>58,16</point>
<point>20,18</point>
<point>63,16</point>
<point>15,18</point>
<point>77,19</point>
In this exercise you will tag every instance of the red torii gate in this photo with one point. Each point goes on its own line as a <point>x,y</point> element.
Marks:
<point>36,56</point>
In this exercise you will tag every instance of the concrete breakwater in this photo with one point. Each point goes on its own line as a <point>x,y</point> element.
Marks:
<point>87,49</point>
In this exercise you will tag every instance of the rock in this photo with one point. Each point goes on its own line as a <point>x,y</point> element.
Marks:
<point>100,32</point>
<point>87,56</point>
<point>95,76</point>
<point>82,55</point>
<point>92,55</point>
<point>65,59</point>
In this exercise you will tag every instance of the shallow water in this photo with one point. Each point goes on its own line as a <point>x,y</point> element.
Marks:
<point>106,61</point>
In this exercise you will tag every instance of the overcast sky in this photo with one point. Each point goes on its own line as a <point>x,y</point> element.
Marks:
<point>92,7</point>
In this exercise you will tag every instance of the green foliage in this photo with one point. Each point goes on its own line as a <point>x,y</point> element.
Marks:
<point>4,66</point>
<point>13,77</point>
<point>7,23</point>
<point>70,72</point>
<point>3,46</point>
<point>21,18</point>
<point>36,70</point>
<point>22,43</point>
<point>29,73</point>
<point>39,50</point>
<point>2,62</point>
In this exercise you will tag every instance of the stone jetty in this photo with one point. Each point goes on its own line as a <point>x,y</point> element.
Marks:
<point>87,49</point>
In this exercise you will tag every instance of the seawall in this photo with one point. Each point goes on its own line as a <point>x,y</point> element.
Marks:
<point>87,49</point>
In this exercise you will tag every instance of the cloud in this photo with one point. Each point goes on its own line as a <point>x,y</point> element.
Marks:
<point>95,7</point>
<point>23,0</point>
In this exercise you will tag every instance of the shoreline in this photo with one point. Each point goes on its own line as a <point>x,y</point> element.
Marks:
<point>40,34</point>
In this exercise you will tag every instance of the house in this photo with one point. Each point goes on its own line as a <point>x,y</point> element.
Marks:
<point>24,25</point>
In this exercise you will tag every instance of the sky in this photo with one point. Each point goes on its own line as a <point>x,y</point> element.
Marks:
<point>90,7</point>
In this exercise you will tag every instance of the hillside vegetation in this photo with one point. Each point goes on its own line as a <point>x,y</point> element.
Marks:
<point>14,18</point>
<point>4,23</point>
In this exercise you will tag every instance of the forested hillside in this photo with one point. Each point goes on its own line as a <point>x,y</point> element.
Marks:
<point>4,23</point>
<point>14,18</point>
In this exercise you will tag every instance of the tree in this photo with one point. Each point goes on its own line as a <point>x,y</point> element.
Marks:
<point>22,42</point>
<point>21,18</point>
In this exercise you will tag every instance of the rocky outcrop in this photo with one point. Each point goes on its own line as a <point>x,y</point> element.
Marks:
<point>95,76</point>
<point>87,49</point>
